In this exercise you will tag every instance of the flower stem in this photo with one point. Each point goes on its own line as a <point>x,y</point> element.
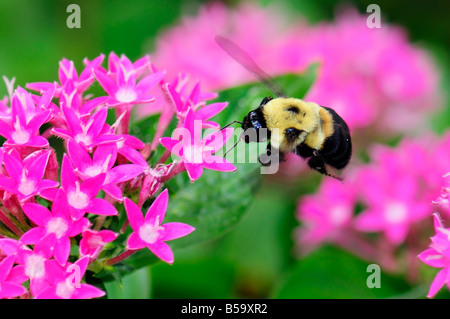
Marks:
<point>120,257</point>
<point>164,157</point>
<point>179,168</point>
<point>8,223</point>
<point>100,221</point>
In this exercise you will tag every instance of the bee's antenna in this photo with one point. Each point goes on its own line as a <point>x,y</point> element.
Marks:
<point>247,62</point>
<point>231,124</point>
<point>235,144</point>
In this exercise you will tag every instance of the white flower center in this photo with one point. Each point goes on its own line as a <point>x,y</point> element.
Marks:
<point>95,241</point>
<point>64,289</point>
<point>339,215</point>
<point>35,266</point>
<point>396,213</point>
<point>193,154</point>
<point>126,95</point>
<point>57,226</point>
<point>77,198</point>
<point>149,233</point>
<point>93,170</point>
<point>20,136</point>
<point>26,186</point>
<point>83,138</point>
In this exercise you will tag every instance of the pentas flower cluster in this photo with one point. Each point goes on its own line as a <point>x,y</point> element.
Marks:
<point>393,196</point>
<point>56,203</point>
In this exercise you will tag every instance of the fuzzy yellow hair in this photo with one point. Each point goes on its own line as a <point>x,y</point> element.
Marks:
<point>314,122</point>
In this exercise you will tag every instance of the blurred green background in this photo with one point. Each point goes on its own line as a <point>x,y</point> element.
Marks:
<point>255,259</point>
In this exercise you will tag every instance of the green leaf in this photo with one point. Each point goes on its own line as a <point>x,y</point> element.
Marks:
<point>191,279</point>
<point>242,99</point>
<point>333,273</point>
<point>133,286</point>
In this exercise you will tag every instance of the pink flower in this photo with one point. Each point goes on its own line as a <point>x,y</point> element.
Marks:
<point>322,219</point>
<point>123,90</point>
<point>23,127</point>
<point>369,76</point>
<point>89,134</point>
<point>442,202</point>
<point>57,223</point>
<point>32,263</point>
<point>25,178</point>
<point>148,230</point>
<point>438,256</point>
<point>393,203</point>
<point>115,63</point>
<point>196,153</point>
<point>8,287</point>
<point>92,242</point>
<point>65,282</point>
<point>81,196</point>
<point>102,162</point>
<point>257,30</point>
<point>128,146</point>
<point>194,100</point>
<point>68,76</point>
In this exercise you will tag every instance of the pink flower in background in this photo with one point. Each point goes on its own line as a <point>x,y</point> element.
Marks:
<point>442,202</point>
<point>363,83</point>
<point>358,76</point>
<point>148,230</point>
<point>326,214</point>
<point>438,256</point>
<point>392,203</point>
<point>9,288</point>
<point>195,152</point>
<point>394,190</point>
<point>257,30</point>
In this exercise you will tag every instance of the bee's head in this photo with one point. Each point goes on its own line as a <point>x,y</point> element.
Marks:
<point>254,124</point>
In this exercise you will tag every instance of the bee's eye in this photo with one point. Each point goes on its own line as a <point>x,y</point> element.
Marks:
<point>292,134</point>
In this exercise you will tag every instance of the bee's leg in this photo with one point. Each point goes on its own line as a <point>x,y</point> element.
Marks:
<point>317,163</point>
<point>271,155</point>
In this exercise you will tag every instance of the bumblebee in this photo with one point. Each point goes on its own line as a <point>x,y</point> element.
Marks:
<point>311,131</point>
<point>316,133</point>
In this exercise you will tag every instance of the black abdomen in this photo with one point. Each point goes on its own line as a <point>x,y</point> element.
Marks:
<point>337,149</point>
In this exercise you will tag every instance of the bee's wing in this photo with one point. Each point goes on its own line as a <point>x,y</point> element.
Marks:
<point>247,62</point>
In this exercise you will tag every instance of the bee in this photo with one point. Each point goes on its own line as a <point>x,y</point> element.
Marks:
<point>316,133</point>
